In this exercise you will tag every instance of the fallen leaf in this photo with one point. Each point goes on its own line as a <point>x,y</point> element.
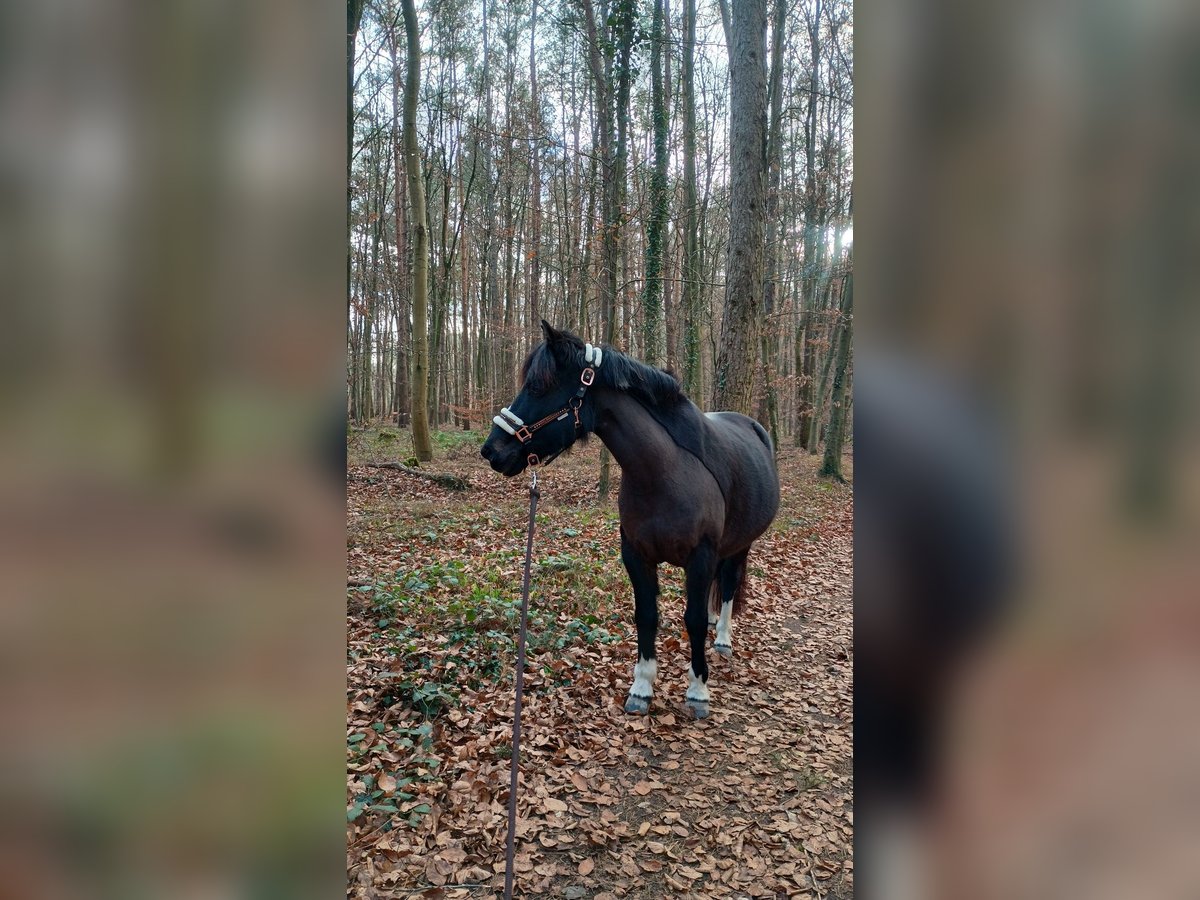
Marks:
<point>586,866</point>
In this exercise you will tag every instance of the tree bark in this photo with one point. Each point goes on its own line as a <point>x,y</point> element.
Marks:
<point>401,204</point>
<point>831,465</point>
<point>354,10</point>
<point>774,179</point>
<point>733,380</point>
<point>422,445</point>
<point>812,253</point>
<point>620,37</point>
<point>652,298</point>
<point>535,185</point>
<point>691,246</point>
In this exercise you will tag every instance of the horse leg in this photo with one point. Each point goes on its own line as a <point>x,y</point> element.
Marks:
<point>644,577</point>
<point>730,573</point>
<point>700,570</point>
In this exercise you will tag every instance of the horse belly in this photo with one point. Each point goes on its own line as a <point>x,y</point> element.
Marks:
<point>664,532</point>
<point>749,516</point>
<point>667,518</point>
<point>656,543</point>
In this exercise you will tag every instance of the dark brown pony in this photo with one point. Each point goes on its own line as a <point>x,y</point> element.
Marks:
<point>697,489</point>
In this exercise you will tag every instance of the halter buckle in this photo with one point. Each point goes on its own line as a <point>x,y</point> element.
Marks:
<point>533,461</point>
<point>588,376</point>
<point>523,434</point>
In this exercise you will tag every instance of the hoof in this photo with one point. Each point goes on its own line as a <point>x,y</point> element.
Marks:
<point>698,708</point>
<point>638,706</point>
<point>723,649</point>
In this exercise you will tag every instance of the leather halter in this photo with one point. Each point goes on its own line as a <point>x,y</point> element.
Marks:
<point>514,425</point>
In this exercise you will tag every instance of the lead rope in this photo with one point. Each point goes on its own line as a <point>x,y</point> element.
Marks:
<point>520,687</point>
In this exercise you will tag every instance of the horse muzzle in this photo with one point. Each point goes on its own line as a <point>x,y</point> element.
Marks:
<point>504,454</point>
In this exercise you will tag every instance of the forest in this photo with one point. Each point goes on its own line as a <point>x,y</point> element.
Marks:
<point>672,179</point>
<point>576,162</point>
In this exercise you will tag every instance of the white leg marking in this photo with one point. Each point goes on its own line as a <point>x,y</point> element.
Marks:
<point>697,689</point>
<point>644,673</point>
<point>725,626</point>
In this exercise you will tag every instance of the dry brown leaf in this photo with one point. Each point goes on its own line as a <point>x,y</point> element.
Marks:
<point>586,866</point>
<point>786,714</point>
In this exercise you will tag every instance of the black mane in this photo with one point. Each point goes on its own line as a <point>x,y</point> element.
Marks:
<point>653,386</point>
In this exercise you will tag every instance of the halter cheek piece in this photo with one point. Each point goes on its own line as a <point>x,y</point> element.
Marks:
<point>514,425</point>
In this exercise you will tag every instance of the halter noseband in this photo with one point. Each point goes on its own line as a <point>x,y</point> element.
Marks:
<point>514,425</point>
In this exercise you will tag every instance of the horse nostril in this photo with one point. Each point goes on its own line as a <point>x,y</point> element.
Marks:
<point>485,451</point>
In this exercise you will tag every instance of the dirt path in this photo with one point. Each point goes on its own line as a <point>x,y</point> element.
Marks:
<point>754,801</point>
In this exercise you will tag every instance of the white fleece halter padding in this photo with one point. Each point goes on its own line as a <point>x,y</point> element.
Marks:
<point>593,355</point>
<point>503,420</point>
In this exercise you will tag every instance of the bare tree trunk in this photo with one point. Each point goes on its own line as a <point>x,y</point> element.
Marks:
<point>621,34</point>
<point>831,465</point>
<point>535,184</point>
<point>691,246</point>
<point>774,177</point>
<point>401,281</point>
<point>822,385</point>
<point>589,237</point>
<point>652,299</point>
<point>354,10</point>
<point>489,286</point>
<point>734,375</point>
<point>811,242</point>
<point>422,445</point>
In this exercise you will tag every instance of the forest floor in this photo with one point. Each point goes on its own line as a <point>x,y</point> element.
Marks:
<point>755,801</point>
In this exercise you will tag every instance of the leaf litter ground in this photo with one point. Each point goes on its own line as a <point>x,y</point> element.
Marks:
<point>755,801</point>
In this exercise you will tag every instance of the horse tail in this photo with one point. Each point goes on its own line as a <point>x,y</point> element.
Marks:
<point>739,594</point>
<point>714,597</point>
<point>738,573</point>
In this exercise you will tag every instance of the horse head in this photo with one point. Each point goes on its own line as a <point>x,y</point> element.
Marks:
<point>547,416</point>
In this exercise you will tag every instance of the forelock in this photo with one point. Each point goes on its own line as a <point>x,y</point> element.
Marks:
<point>540,370</point>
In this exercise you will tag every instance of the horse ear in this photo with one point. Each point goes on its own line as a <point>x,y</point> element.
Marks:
<point>551,335</point>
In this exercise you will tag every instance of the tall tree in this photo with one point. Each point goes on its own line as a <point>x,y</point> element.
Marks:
<point>399,283</point>
<point>691,239</point>
<point>422,445</point>
<point>831,465</point>
<point>489,282</point>
<point>652,297</point>
<point>535,183</point>
<point>774,178</point>
<point>354,11</point>
<point>612,109</point>
<point>734,373</point>
<point>805,339</point>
